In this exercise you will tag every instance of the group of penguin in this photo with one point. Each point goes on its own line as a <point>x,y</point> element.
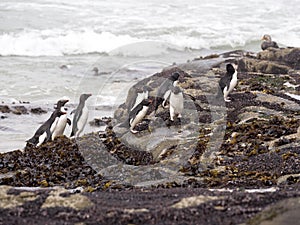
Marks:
<point>168,93</point>
<point>56,124</point>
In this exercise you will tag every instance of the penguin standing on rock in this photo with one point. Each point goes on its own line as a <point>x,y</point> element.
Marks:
<point>176,103</point>
<point>164,90</point>
<point>80,116</point>
<point>227,82</point>
<point>268,43</point>
<point>62,121</point>
<point>44,132</point>
<point>138,97</point>
<point>137,114</point>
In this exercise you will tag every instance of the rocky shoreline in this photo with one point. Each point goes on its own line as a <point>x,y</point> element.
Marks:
<point>228,163</point>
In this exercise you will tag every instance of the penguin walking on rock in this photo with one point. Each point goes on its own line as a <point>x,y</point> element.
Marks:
<point>138,97</point>
<point>137,114</point>
<point>176,103</point>
<point>44,132</point>
<point>228,82</point>
<point>164,90</point>
<point>80,116</point>
<point>62,121</point>
<point>268,43</point>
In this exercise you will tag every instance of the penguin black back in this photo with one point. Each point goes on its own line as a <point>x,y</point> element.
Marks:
<point>138,108</point>
<point>45,127</point>
<point>78,112</point>
<point>164,87</point>
<point>225,80</point>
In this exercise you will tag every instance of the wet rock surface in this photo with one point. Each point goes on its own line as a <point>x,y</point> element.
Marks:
<point>221,163</point>
<point>21,109</point>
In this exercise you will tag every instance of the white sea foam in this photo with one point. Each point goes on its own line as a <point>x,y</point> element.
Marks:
<point>61,27</point>
<point>58,43</point>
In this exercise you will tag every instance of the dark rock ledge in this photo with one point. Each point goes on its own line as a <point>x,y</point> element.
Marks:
<point>223,163</point>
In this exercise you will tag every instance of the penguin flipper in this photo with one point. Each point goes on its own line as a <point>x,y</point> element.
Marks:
<point>189,96</point>
<point>74,128</point>
<point>166,98</point>
<point>49,135</point>
<point>74,131</point>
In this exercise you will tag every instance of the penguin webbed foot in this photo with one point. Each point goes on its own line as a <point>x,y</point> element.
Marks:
<point>174,121</point>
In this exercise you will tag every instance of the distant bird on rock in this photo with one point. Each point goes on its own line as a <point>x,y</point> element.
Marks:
<point>80,116</point>
<point>268,43</point>
<point>96,71</point>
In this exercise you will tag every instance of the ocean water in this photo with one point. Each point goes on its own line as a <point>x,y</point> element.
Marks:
<point>126,40</point>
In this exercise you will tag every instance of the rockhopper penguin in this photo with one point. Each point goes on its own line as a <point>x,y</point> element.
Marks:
<point>138,97</point>
<point>164,90</point>
<point>80,116</point>
<point>137,114</point>
<point>62,121</point>
<point>176,103</point>
<point>227,82</point>
<point>44,132</point>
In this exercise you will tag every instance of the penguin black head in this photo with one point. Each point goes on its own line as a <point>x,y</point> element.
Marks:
<point>230,69</point>
<point>84,97</point>
<point>61,103</point>
<point>174,76</point>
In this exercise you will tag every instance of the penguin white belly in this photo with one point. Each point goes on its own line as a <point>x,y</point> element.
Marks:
<point>233,82</point>
<point>138,118</point>
<point>176,105</point>
<point>53,125</point>
<point>60,126</point>
<point>232,85</point>
<point>42,138</point>
<point>82,121</point>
